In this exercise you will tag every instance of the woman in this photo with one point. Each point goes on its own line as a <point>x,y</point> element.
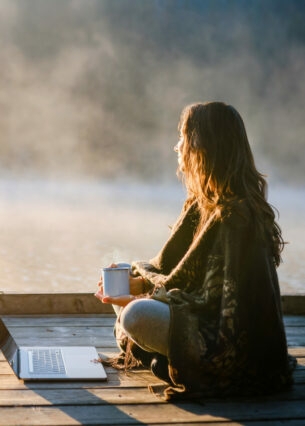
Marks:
<point>205,313</point>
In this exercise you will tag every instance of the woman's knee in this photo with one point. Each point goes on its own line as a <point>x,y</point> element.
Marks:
<point>144,315</point>
<point>131,315</point>
<point>146,321</point>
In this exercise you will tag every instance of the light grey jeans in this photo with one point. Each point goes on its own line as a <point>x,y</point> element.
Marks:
<point>146,322</point>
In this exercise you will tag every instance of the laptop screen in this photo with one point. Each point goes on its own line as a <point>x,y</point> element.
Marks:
<point>9,347</point>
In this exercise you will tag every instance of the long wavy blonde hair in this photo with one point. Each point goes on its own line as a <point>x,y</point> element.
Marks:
<point>219,169</point>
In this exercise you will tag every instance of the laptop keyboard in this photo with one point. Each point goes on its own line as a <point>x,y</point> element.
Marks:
<point>46,361</point>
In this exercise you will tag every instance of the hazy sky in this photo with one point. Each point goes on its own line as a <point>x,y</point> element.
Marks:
<point>95,87</point>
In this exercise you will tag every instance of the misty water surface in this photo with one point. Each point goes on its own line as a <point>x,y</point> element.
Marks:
<point>94,90</point>
<point>56,236</point>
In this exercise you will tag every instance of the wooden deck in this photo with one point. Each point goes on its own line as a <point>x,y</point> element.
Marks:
<point>124,399</point>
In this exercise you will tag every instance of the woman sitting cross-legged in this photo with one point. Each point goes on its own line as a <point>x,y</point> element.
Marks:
<point>205,313</point>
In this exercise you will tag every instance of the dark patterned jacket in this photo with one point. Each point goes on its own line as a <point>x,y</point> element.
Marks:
<point>226,335</point>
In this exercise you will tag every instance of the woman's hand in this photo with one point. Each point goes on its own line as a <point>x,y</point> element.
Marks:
<point>136,285</point>
<point>115,300</point>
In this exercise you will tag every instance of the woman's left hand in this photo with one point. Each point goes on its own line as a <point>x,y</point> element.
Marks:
<point>115,300</point>
<point>136,288</point>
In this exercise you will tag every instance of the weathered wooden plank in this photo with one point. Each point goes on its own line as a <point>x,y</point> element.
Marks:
<point>51,303</point>
<point>293,304</point>
<point>58,320</point>
<point>96,319</point>
<point>84,340</point>
<point>84,303</point>
<point>297,351</point>
<point>84,396</point>
<point>73,336</point>
<point>286,422</point>
<point>139,377</point>
<point>114,381</point>
<point>294,320</point>
<point>299,376</point>
<point>301,363</point>
<point>101,395</point>
<point>9,382</point>
<point>104,352</point>
<point>294,330</point>
<point>295,336</point>
<point>142,413</point>
<point>22,333</point>
<point>294,325</point>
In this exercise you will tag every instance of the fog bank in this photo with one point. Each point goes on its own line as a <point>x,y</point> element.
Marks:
<point>95,87</point>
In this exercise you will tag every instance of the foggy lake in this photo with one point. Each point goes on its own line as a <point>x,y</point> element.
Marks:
<point>56,235</point>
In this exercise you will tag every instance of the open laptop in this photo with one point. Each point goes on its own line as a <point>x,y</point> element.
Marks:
<point>51,362</point>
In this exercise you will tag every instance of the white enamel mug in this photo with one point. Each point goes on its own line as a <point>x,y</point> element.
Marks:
<point>116,281</point>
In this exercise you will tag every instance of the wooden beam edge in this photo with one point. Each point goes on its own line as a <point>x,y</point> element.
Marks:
<point>293,304</point>
<point>51,304</point>
<point>86,303</point>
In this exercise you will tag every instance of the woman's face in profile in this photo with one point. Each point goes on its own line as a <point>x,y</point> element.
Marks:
<point>179,149</point>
